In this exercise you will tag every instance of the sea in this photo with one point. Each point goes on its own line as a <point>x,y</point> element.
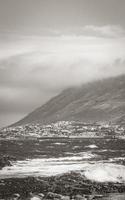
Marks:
<point>98,159</point>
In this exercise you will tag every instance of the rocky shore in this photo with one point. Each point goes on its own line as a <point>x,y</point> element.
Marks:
<point>64,187</point>
<point>6,160</point>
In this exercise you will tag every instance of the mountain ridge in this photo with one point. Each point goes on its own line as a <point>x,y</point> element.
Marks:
<point>98,101</point>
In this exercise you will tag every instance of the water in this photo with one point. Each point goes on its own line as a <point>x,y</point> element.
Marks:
<point>98,159</point>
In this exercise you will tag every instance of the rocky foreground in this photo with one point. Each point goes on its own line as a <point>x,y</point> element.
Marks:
<point>64,187</point>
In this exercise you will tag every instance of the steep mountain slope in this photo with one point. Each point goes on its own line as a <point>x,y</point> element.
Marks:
<point>99,101</point>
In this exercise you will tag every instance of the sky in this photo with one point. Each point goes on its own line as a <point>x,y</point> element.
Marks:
<point>49,45</point>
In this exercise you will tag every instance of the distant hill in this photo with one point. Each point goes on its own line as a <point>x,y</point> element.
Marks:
<point>99,101</point>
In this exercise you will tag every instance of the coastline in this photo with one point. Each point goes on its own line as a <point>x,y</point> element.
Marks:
<point>69,184</point>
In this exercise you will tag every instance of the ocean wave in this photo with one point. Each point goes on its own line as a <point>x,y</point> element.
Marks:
<point>105,172</point>
<point>93,170</point>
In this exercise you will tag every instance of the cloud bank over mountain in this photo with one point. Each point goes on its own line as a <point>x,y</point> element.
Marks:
<point>39,67</point>
<point>46,47</point>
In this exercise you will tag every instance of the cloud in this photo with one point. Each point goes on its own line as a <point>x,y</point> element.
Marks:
<point>35,68</point>
<point>104,31</point>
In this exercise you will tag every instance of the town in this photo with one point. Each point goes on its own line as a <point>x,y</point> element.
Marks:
<point>63,129</point>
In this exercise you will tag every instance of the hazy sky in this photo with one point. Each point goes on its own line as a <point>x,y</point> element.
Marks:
<point>49,45</point>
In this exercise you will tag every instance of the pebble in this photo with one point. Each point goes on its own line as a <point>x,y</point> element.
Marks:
<point>65,198</point>
<point>80,197</point>
<point>35,198</point>
<point>15,196</point>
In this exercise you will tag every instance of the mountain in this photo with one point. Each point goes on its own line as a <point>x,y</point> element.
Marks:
<point>98,101</point>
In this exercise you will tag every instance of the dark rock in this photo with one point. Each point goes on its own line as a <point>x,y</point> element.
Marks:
<point>62,187</point>
<point>15,196</point>
<point>6,161</point>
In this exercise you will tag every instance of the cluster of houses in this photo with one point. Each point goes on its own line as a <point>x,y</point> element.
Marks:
<point>63,129</point>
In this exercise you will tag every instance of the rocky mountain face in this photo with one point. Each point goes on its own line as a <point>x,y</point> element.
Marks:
<point>99,101</point>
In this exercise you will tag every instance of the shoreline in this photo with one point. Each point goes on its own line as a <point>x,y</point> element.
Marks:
<point>62,137</point>
<point>68,184</point>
